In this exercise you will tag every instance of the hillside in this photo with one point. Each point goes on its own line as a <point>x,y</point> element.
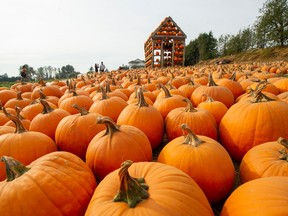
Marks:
<point>260,55</point>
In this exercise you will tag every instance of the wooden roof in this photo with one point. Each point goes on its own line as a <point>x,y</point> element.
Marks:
<point>162,32</point>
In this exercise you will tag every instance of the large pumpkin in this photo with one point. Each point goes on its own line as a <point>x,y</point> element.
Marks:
<point>220,93</point>
<point>264,160</point>
<point>145,117</point>
<point>170,192</point>
<point>204,159</point>
<point>201,121</point>
<point>58,184</point>
<point>46,122</point>
<point>120,142</point>
<point>74,132</point>
<point>262,196</point>
<point>252,122</point>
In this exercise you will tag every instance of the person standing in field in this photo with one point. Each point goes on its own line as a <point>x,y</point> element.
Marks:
<point>23,73</point>
<point>96,67</point>
<point>102,67</point>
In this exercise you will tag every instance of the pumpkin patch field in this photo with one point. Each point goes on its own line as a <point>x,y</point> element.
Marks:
<point>199,140</point>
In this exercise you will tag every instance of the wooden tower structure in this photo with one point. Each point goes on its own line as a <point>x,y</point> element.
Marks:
<point>165,46</point>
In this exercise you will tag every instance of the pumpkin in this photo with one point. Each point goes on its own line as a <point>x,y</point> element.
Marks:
<point>204,159</point>
<point>262,196</point>
<point>108,106</point>
<point>17,101</point>
<point>248,123</point>
<point>81,100</point>
<point>282,84</point>
<point>145,117</point>
<point>220,93</point>
<point>199,120</point>
<point>56,184</point>
<point>216,108</point>
<point>25,122</point>
<point>264,160</point>
<point>189,88</point>
<point>6,95</point>
<point>74,132</point>
<point>231,83</point>
<point>24,145</point>
<point>148,188</point>
<point>120,142</point>
<point>48,90</point>
<point>46,122</point>
<point>169,102</point>
<point>33,109</point>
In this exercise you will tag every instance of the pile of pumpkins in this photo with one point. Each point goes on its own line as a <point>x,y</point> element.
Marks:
<point>161,141</point>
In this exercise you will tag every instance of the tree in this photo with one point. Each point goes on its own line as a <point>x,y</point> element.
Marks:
<point>67,71</point>
<point>207,46</point>
<point>272,26</point>
<point>191,53</point>
<point>222,44</point>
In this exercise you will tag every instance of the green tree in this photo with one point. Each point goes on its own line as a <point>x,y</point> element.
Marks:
<point>67,71</point>
<point>222,44</point>
<point>191,53</point>
<point>271,27</point>
<point>207,46</point>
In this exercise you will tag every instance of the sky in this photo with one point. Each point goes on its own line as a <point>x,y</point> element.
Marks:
<point>84,32</point>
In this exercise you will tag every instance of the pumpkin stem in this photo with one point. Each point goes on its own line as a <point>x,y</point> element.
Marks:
<point>141,100</point>
<point>19,126</point>
<point>132,190</point>
<point>46,107</point>
<point>111,126</point>
<point>104,94</point>
<point>81,110</point>
<point>283,152</point>
<point>166,91</point>
<point>258,95</point>
<point>14,168</point>
<point>211,81</point>
<point>190,107</point>
<point>191,138</point>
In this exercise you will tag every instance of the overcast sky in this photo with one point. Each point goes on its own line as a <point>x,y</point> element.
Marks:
<point>84,32</point>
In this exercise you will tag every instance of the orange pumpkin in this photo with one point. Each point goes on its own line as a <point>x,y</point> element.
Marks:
<point>168,102</point>
<point>46,122</point>
<point>170,192</point>
<point>199,120</point>
<point>74,132</point>
<point>248,123</point>
<point>264,160</point>
<point>108,106</point>
<point>112,143</point>
<point>262,196</point>
<point>24,145</point>
<point>204,159</point>
<point>58,183</point>
<point>216,108</point>
<point>220,93</point>
<point>145,117</point>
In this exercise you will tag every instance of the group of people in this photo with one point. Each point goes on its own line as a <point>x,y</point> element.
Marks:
<point>101,68</point>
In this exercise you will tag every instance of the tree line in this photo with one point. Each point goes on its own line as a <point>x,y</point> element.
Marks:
<point>46,72</point>
<point>269,30</point>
